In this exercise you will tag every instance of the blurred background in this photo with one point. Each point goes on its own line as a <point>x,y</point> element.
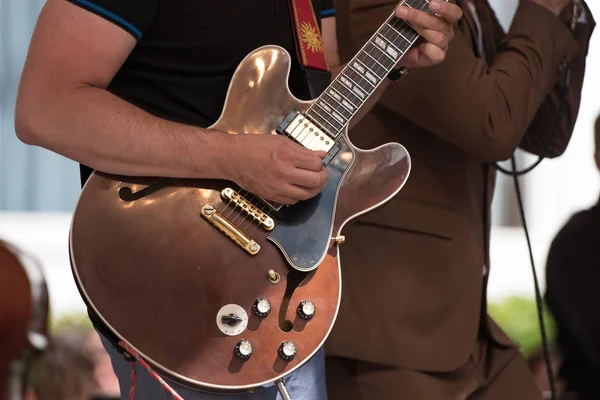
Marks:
<point>39,190</point>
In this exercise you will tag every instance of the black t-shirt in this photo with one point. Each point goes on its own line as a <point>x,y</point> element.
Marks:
<point>188,50</point>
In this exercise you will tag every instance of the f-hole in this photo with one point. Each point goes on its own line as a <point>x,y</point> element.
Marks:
<point>294,279</point>
<point>127,194</point>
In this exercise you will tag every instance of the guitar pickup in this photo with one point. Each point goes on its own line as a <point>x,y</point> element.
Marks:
<point>302,130</point>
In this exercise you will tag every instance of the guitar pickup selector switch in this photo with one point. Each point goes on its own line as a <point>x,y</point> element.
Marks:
<point>306,310</point>
<point>261,308</point>
<point>232,319</point>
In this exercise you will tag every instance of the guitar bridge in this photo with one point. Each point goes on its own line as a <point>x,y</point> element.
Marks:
<point>250,209</point>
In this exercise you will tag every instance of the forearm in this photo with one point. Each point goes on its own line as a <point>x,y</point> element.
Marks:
<point>94,127</point>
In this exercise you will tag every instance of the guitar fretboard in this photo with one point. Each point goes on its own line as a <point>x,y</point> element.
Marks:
<point>364,73</point>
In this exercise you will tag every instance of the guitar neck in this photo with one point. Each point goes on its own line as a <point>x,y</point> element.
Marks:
<point>349,91</point>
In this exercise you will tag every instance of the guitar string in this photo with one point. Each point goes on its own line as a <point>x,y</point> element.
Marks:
<point>400,30</point>
<point>371,65</point>
<point>378,58</point>
<point>403,24</point>
<point>337,131</point>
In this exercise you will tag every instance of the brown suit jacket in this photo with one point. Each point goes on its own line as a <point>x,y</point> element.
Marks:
<point>413,270</point>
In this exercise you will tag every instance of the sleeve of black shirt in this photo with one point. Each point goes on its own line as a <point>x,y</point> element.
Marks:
<point>132,15</point>
<point>327,9</point>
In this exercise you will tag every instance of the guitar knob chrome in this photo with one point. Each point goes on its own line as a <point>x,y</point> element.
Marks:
<point>261,308</point>
<point>306,310</point>
<point>243,350</point>
<point>287,351</point>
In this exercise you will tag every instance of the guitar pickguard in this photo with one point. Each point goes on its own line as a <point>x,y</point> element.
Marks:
<point>304,232</point>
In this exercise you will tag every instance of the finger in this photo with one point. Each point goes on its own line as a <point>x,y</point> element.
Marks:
<point>451,13</point>
<point>436,38</point>
<point>423,19</point>
<point>309,160</point>
<point>430,54</point>
<point>296,193</point>
<point>309,179</point>
<point>320,153</point>
<point>283,200</point>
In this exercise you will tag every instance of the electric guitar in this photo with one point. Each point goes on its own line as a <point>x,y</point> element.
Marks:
<point>219,289</point>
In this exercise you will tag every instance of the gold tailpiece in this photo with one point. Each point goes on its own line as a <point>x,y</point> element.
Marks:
<point>232,231</point>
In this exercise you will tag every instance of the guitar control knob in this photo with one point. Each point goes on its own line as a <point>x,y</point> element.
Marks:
<point>287,351</point>
<point>306,310</point>
<point>243,350</point>
<point>261,308</point>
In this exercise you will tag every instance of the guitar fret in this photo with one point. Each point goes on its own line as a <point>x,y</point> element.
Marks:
<point>393,35</point>
<point>386,61</point>
<point>362,75</point>
<point>381,51</point>
<point>401,28</point>
<point>327,120</point>
<point>339,93</point>
<point>371,64</point>
<point>348,108</point>
<point>329,108</point>
<point>360,78</point>
<point>391,43</point>
<point>369,69</point>
<point>373,58</point>
<point>385,47</point>
<point>351,97</point>
<point>360,81</point>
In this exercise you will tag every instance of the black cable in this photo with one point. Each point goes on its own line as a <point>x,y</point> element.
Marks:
<point>515,175</point>
<point>538,295</point>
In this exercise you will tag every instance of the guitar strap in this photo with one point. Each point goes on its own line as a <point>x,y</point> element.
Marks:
<point>310,49</point>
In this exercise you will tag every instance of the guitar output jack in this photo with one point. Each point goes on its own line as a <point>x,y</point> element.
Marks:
<point>274,277</point>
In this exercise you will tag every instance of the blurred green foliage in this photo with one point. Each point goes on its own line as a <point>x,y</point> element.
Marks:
<point>518,317</point>
<point>70,320</point>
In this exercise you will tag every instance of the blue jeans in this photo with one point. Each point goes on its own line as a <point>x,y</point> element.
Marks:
<point>306,383</point>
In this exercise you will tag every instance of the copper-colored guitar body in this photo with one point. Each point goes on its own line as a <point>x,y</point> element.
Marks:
<point>157,272</point>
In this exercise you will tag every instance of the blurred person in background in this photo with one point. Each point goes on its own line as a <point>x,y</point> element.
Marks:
<point>572,277</point>
<point>75,367</point>
<point>413,321</point>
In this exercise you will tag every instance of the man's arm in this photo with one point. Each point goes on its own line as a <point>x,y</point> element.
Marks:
<point>62,105</point>
<point>552,127</point>
<point>486,110</point>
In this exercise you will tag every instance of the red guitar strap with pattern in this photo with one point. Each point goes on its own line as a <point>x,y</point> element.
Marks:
<point>309,42</point>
